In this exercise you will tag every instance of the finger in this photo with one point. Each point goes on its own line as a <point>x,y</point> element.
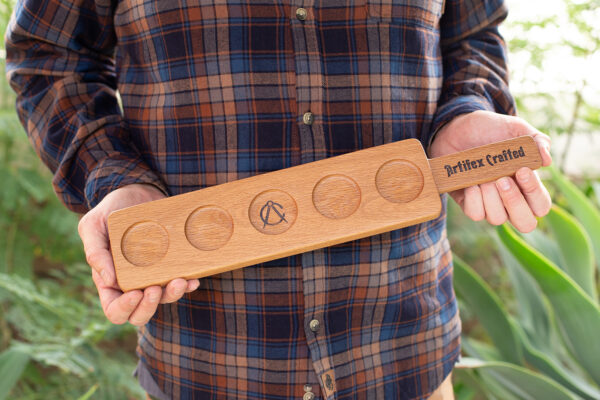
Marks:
<point>459,197</point>
<point>473,203</point>
<point>97,248</point>
<point>543,142</point>
<point>519,213</point>
<point>174,290</point>
<point>117,306</point>
<point>119,311</point>
<point>494,208</point>
<point>147,307</point>
<point>106,294</point>
<point>534,191</point>
<point>192,285</point>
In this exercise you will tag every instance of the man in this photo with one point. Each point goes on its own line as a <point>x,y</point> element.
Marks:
<point>214,91</point>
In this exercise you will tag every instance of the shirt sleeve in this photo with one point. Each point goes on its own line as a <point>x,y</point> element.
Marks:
<point>474,60</point>
<point>61,63</point>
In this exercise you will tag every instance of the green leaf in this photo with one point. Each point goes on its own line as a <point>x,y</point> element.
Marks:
<point>89,393</point>
<point>596,186</point>
<point>26,291</point>
<point>555,370</point>
<point>575,247</point>
<point>60,355</point>
<point>521,382</point>
<point>471,379</point>
<point>537,355</point>
<point>583,209</point>
<point>489,310</point>
<point>535,315</point>
<point>544,244</point>
<point>576,313</point>
<point>12,365</point>
<point>478,349</point>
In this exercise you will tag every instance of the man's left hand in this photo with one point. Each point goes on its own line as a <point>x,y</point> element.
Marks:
<point>517,199</point>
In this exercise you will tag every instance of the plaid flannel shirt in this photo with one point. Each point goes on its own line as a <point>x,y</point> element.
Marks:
<point>214,91</point>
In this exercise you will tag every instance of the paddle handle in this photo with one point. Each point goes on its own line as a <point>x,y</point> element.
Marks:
<point>484,164</point>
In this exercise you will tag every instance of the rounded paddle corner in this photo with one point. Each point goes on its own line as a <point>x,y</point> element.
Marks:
<point>432,209</point>
<point>124,285</point>
<point>114,220</point>
<point>414,142</point>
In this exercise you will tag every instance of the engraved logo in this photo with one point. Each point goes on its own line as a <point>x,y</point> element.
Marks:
<point>272,214</point>
<point>270,209</point>
<point>328,382</point>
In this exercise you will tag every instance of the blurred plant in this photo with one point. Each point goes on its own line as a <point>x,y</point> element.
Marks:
<point>548,347</point>
<point>7,96</point>
<point>55,342</point>
<point>556,95</point>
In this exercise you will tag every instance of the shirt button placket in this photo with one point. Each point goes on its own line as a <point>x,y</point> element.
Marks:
<point>308,396</point>
<point>308,118</point>
<point>309,79</point>
<point>301,13</point>
<point>309,92</point>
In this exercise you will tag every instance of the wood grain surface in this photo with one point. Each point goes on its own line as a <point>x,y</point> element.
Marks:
<point>485,163</point>
<point>273,215</point>
<point>306,207</point>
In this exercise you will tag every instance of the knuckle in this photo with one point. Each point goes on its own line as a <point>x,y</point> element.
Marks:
<point>80,225</point>
<point>83,221</point>
<point>518,126</point>
<point>530,187</point>
<point>511,197</point>
<point>92,258</point>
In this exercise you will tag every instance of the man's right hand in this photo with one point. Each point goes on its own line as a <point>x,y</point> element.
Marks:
<point>136,306</point>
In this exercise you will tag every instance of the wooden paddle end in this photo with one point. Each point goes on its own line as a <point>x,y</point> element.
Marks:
<point>484,164</point>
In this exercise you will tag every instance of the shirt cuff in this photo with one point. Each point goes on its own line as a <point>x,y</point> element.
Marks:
<point>113,173</point>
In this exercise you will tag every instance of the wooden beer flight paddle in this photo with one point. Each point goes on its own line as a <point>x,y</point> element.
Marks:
<point>306,207</point>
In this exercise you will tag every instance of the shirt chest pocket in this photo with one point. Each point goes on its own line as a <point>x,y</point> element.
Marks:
<point>425,13</point>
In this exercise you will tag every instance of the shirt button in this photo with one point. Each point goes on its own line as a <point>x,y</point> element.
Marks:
<point>314,325</point>
<point>301,14</point>
<point>307,388</point>
<point>308,118</point>
<point>308,396</point>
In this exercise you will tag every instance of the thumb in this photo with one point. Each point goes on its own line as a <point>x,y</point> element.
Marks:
<point>543,143</point>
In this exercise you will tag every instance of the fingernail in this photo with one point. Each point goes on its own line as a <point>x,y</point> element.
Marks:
<point>504,184</point>
<point>153,297</point>
<point>547,148</point>
<point>523,175</point>
<point>133,301</point>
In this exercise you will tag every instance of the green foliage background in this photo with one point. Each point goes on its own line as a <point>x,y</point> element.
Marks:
<point>54,340</point>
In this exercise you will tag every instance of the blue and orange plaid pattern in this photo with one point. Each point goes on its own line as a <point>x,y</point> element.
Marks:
<point>215,90</point>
